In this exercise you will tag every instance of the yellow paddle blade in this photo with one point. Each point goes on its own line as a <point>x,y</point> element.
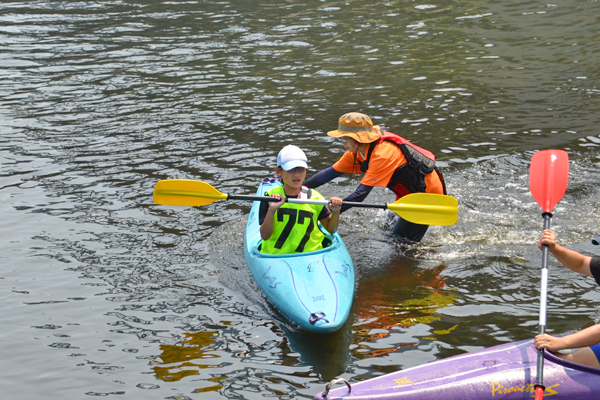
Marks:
<point>183,192</point>
<point>427,209</point>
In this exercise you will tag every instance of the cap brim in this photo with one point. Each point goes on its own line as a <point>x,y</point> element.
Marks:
<point>294,164</point>
<point>596,241</point>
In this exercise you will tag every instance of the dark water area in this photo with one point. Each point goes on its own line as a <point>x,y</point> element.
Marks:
<point>105,293</point>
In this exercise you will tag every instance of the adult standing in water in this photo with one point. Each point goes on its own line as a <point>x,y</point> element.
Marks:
<point>387,160</point>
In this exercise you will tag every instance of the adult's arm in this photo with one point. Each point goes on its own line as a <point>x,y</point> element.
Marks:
<point>587,337</point>
<point>361,193</point>
<point>569,258</point>
<point>326,175</point>
<point>322,177</point>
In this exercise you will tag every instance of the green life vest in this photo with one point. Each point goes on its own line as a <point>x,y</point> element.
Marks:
<point>295,226</point>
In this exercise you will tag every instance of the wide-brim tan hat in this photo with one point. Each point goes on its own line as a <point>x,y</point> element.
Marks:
<point>358,126</point>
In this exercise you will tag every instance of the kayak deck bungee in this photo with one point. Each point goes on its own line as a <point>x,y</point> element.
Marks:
<point>506,372</point>
<point>313,290</point>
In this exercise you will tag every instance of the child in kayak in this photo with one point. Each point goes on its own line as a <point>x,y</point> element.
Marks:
<point>292,227</point>
<point>588,340</point>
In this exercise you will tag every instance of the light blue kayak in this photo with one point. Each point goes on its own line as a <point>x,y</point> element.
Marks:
<point>313,290</point>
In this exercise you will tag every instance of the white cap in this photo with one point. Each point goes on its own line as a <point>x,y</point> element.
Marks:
<point>291,157</point>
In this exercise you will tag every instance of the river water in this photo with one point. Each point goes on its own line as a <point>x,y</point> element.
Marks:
<point>105,293</point>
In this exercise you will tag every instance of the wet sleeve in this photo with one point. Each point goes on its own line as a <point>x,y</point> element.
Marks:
<point>361,193</point>
<point>322,177</point>
<point>595,268</point>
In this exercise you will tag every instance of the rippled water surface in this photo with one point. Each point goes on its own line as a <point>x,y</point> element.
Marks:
<point>105,293</point>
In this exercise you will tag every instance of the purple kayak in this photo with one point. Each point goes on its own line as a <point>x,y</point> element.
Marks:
<point>506,371</point>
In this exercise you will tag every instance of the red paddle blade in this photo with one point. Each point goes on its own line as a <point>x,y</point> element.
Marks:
<point>548,177</point>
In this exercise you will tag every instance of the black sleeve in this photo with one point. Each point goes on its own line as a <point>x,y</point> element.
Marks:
<point>325,212</point>
<point>361,193</point>
<point>262,211</point>
<point>595,268</point>
<point>322,177</point>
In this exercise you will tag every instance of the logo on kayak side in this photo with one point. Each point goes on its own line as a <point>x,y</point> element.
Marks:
<point>344,271</point>
<point>403,381</point>
<point>498,388</point>
<point>272,280</point>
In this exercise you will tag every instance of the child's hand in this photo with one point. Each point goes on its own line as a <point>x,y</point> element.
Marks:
<point>274,205</point>
<point>335,204</point>
<point>548,238</point>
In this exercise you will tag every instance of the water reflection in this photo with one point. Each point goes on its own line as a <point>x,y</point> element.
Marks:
<point>183,359</point>
<point>327,354</point>
<point>394,298</point>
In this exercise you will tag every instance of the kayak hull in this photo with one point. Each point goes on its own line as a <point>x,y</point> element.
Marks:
<point>313,290</point>
<point>506,372</point>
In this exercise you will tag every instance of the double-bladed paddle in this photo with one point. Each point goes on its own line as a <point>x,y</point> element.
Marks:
<point>418,208</point>
<point>548,180</point>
